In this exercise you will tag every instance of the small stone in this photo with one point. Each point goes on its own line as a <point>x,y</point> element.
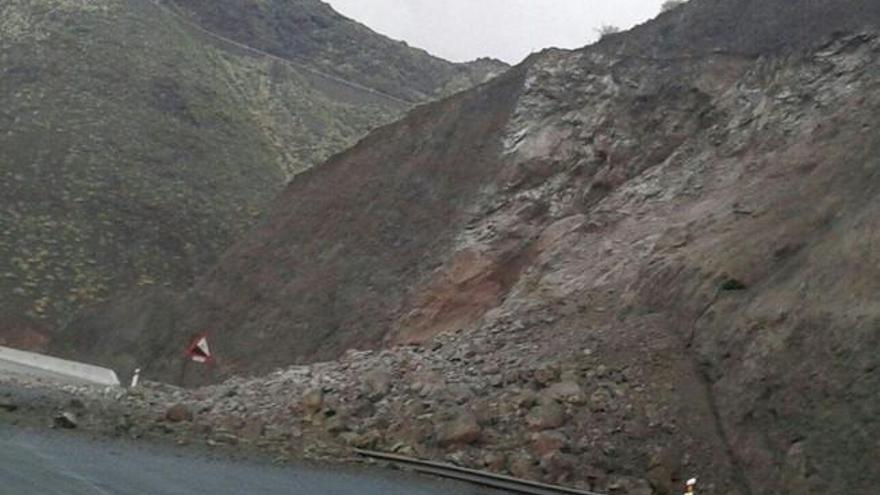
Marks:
<point>600,400</point>
<point>8,406</point>
<point>660,480</point>
<point>368,440</point>
<point>630,486</point>
<point>66,420</point>
<point>558,466</point>
<point>225,438</point>
<point>546,417</point>
<point>428,383</point>
<point>547,374</point>
<point>179,413</point>
<point>460,393</point>
<point>123,425</point>
<point>525,400</point>
<point>377,384</point>
<point>524,466</point>
<point>252,430</point>
<point>796,469</point>
<point>405,450</point>
<point>609,449</point>
<point>546,442</point>
<point>568,391</point>
<point>336,423</point>
<point>495,461</point>
<point>491,369</point>
<point>312,401</point>
<point>362,408</point>
<point>663,467</point>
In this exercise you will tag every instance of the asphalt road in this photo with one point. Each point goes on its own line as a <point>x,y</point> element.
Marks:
<point>59,464</point>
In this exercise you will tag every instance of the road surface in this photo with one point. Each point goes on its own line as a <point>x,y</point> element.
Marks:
<point>59,464</point>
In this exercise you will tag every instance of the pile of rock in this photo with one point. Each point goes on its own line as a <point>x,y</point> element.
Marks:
<point>482,400</point>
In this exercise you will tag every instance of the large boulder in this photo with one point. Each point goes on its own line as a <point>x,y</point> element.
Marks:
<point>461,430</point>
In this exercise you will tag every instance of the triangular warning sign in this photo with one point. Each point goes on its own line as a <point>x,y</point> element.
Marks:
<point>202,345</point>
<point>199,351</point>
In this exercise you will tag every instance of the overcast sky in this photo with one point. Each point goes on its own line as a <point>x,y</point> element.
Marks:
<point>462,30</point>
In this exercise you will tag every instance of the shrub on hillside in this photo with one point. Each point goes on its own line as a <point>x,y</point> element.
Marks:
<point>607,29</point>
<point>671,4</point>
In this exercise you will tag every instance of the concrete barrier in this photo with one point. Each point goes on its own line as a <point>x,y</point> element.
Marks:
<point>39,365</point>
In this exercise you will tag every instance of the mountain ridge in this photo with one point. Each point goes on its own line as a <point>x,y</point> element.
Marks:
<point>336,44</point>
<point>136,147</point>
<point>293,62</point>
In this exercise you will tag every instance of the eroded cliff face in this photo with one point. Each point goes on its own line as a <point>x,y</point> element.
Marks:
<point>701,226</point>
<point>724,204</point>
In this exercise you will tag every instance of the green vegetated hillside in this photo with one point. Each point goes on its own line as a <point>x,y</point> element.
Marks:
<point>135,147</point>
<point>312,32</point>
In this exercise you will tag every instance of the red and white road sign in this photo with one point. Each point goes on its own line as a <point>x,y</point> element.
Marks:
<point>198,349</point>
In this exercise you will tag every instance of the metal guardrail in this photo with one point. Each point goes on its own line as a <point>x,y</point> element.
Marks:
<point>41,365</point>
<point>491,480</point>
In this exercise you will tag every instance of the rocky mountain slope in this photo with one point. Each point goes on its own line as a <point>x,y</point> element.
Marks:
<point>310,31</point>
<point>135,146</point>
<point>666,255</point>
<point>744,27</point>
